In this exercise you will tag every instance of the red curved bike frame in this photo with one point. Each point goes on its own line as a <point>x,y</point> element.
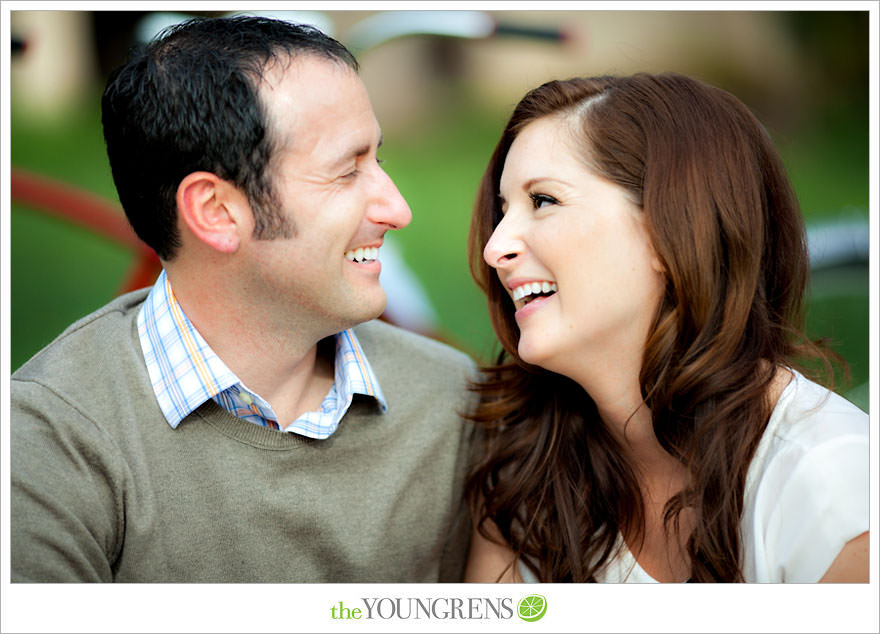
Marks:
<point>90,211</point>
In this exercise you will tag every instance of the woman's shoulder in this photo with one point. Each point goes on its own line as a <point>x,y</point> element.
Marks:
<point>808,415</point>
<point>811,431</point>
<point>806,491</point>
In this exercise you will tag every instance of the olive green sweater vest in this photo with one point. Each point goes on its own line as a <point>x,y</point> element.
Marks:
<point>102,489</point>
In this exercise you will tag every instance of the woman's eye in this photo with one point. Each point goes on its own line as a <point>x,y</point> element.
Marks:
<point>542,200</point>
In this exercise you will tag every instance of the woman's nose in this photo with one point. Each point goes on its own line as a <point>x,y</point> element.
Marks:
<point>503,246</point>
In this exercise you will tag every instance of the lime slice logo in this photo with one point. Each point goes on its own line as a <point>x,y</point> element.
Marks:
<point>532,607</point>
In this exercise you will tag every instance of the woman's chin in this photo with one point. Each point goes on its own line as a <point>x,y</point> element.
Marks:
<point>533,353</point>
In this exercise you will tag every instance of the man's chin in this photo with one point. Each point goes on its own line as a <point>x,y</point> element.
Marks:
<point>368,309</point>
<point>379,308</point>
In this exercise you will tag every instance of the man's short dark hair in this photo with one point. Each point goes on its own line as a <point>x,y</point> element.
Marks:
<point>188,101</point>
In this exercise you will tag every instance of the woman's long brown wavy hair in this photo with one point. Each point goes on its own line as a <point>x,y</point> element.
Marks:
<point>725,222</point>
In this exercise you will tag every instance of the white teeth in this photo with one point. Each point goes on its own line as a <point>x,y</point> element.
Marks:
<point>363,254</point>
<point>533,288</point>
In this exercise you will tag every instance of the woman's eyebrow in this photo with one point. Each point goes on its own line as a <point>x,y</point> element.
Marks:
<point>542,179</point>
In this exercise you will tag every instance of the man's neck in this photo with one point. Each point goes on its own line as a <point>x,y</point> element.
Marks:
<point>302,387</point>
<point>288,368</point>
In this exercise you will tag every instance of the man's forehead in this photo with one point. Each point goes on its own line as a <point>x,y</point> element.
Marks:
<point>320,107</point>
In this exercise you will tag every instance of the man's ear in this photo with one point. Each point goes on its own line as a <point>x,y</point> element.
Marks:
<point>211,208</point>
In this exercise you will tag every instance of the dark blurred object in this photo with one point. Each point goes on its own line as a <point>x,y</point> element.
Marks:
<point>116,34</point>
<point>18,45</point>
<point>534,33</point>
<point>834,45</point>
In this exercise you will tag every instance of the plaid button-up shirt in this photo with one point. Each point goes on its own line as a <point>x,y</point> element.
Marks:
<point>185,372</point>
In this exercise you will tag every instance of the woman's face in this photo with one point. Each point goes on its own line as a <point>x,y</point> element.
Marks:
<point>573,253</point>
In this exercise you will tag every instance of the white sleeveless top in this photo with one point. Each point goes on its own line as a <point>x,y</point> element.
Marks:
<point>806,492</point>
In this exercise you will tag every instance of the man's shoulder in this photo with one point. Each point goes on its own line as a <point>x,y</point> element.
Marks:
<point>427,383</point>
<point>87,342</point>
<point>383,342</point>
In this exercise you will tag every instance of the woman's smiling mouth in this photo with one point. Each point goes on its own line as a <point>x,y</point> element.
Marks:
<point>525,293</point>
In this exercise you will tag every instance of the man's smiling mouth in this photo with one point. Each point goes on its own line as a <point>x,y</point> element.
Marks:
<point>367,254</point>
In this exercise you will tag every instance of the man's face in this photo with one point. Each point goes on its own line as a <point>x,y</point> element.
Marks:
<point>337,199</point>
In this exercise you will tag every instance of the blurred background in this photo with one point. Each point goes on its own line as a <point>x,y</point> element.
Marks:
<point>443,84</point>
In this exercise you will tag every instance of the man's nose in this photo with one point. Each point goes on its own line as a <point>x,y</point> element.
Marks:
<point>389,207</point>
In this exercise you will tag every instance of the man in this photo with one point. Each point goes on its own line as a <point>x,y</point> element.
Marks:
<point>235,422</point>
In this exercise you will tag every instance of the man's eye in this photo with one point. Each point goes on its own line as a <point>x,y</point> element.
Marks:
<point>357,171</point>
<point>542,200</point>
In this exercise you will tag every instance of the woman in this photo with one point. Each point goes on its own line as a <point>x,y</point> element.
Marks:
<point>645,262</point>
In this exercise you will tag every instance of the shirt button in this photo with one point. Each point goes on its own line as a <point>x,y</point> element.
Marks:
<point>246,398</point>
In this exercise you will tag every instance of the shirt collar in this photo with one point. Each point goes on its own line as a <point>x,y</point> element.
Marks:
<point>185,372</point>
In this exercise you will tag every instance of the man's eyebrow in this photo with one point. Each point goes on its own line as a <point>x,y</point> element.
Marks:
<point>360,151</point>
<point>352,154</point>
